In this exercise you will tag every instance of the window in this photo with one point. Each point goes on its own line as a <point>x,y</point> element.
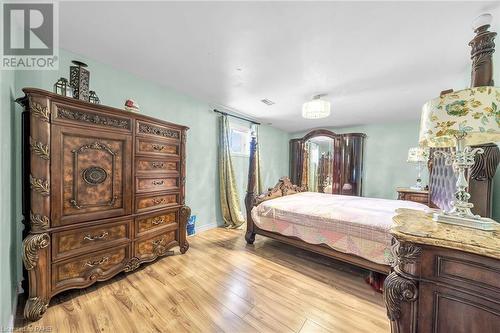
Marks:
<point>240,140</point>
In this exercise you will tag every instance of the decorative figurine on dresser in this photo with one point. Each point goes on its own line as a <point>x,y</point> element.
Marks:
<point>103,192</point>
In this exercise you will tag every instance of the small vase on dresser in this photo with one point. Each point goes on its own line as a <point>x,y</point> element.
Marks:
<point>445,278</point>
<point>103,192</point>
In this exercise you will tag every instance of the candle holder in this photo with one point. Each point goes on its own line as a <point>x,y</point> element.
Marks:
<point>79,79</point>
<point>61,87</point>
<point>93,98</point>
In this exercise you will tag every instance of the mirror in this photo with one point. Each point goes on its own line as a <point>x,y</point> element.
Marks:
<point>327,162</point>
<point>318,162</point>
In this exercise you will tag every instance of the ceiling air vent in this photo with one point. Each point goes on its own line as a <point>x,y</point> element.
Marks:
<point>267,101</point>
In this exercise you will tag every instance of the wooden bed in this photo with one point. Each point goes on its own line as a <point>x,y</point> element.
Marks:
<point>441,182</point>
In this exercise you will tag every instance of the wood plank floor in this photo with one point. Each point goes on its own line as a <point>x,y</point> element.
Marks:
<point>223,285</point>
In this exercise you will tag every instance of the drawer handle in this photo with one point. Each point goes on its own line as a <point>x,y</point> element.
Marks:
<point>159,242</point>
<point>158,220</point>
<point>95,263</point>
<point>158,165</point>
<point>158,182</point>
<point>102,236</point>
<point>158,147</point>
<point>158,201</point>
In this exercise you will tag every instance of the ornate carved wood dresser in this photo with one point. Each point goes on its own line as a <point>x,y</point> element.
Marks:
<point>445,278</point>
<point>103,192</point>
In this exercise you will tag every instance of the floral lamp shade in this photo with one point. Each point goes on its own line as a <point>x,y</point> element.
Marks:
<point>473,112</point>
<point>417,155</point>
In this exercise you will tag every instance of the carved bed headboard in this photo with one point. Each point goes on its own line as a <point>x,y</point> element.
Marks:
<point>442,180</point>
<point>282,188</point>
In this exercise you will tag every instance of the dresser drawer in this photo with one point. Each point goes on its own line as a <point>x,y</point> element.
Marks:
<point>156,147</point>
<point>150,248</point>
<point>69,243</point>
<point>153,222</point>
<point>147,165</point>
<point>145,128</point>
<point>413,195</point>
<point>462,270</point>
<point>153,202</point>
<point>151,184</point>
<point>87,268</point>
<point>421,198</point>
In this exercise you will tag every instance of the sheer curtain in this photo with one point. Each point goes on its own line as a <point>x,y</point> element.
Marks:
<point>229,197</point>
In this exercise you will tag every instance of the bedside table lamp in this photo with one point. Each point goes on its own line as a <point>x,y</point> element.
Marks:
<point>419,156</point>
<point>460,119</point>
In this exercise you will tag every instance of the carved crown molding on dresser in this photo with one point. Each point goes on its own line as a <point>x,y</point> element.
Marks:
<point>445,278</point>
<point>98,198</point>
<point>94,118</point>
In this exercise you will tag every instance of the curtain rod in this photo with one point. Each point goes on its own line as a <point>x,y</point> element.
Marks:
<point>238,117</point>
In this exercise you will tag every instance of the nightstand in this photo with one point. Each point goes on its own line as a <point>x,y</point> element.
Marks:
<point>445,278</point>
<point>408,194</point>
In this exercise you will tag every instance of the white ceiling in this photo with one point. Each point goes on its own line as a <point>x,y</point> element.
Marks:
<point>378,61</point>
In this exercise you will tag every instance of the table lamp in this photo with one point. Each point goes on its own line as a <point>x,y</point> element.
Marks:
<point>419,156</point>
<point>460,119</point>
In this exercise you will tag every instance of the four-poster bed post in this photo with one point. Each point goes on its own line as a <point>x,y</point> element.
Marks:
<point>250,196</point>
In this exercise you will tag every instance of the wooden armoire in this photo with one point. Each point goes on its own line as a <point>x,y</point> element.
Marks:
<point>103,192</point>
<point>341,165</point>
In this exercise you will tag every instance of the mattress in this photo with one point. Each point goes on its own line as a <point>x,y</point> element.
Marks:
<point>349,224</point>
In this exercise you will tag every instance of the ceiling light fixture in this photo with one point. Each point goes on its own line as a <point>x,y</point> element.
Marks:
<point>316,108</point>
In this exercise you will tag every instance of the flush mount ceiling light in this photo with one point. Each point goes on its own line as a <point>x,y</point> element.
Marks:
<point>316,108</point>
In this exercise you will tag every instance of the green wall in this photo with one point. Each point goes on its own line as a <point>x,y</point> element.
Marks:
<point>385,166</point>
<point>9,209</point>
<point>113,88</point>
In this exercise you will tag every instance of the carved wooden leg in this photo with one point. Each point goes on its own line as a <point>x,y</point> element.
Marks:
<point>35,258</point>
<point>185,247</point>
<point>397,290</point>
<point>35,308</point>
<point>250,237</point>
<point>401,288</point>
<point>185,214</point>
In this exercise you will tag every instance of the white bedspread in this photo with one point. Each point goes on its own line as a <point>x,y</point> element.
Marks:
<point>349,224</point>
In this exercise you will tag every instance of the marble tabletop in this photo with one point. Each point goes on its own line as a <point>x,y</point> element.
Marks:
<point>418,227</point>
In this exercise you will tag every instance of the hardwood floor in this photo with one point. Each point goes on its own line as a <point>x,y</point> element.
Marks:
<point>223,285</point>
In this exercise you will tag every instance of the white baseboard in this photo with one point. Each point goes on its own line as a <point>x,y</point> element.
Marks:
<point>205,227</point>
<point>10,324</point>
